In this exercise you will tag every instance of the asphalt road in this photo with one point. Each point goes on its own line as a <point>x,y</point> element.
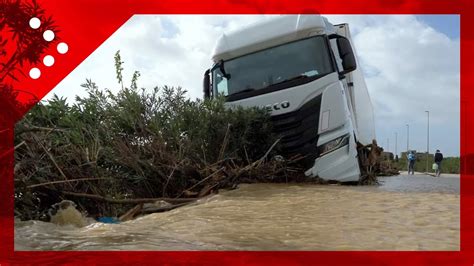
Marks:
<point>420,182</point>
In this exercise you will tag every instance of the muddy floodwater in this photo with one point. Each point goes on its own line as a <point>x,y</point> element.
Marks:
<point>404,213</point>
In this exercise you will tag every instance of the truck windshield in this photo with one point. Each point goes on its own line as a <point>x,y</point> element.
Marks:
<point>303,60</point>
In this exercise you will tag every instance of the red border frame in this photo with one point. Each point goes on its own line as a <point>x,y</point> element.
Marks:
<point>85,24</point>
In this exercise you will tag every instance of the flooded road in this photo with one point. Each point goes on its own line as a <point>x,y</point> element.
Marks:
<point>404,213</point>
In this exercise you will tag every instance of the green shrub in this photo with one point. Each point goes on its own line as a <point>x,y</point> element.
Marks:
<point>136,143</point>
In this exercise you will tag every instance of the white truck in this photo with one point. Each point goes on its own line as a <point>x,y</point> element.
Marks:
<point>304,71</point>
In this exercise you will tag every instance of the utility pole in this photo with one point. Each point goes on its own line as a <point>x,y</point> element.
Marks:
<point>388,144</point>
<point>408,137</point>
<point>408,146</point>
<point>427,140</point>
<point>396,143</point>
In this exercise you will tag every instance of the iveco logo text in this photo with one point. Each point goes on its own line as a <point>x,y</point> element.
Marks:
<point>277,106</point>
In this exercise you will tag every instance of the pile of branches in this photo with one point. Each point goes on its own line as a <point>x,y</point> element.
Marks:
<point>109,151</point>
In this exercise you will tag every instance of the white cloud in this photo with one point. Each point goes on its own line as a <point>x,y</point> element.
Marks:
<point>177,58</point>
<point>409,67</point>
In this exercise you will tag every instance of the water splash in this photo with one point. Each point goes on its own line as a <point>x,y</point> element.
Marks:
<point>65,213</point>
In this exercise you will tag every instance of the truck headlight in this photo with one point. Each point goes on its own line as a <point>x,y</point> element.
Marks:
<point>333,145</point>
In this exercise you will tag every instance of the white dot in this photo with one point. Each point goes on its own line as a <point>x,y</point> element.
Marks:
<point>48,35</point>
<point>62,48</point>
<point>35,73</point>
<point>35,23</point>
<point>48,60</point>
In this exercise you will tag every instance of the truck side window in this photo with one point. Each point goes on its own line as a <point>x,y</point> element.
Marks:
<point>221,83</point>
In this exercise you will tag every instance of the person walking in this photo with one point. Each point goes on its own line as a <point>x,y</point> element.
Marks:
<point>438,158</point>
<point>411,162</point>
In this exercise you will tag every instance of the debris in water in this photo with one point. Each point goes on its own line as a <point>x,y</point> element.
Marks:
<point>65,213</point>
<point>108,220</point>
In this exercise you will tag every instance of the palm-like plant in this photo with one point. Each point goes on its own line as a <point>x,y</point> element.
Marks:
<point>24,45</point>
<point>19,45</point>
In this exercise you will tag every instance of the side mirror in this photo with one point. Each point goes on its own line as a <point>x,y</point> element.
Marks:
<point>345,52</point>
<point>347,55</point>
<point>206,84</point>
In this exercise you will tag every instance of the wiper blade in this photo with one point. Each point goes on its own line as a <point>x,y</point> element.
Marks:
<point>302,76</point>
<point>291,79</point>
<point>243,91</point>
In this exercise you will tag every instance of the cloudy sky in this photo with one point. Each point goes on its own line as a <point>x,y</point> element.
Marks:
<point>411,64</point>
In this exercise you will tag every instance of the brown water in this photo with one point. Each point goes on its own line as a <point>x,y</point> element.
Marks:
<point>394,216</point>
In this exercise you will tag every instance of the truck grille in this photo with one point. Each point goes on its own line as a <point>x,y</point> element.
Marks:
<point>298,131</point>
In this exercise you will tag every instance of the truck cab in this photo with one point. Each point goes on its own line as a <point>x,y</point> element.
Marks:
<point>304,71</point>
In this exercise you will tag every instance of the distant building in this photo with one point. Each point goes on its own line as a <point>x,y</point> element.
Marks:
<point>420,156</point>
<point>403,155</point>
<point>387,156</point>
